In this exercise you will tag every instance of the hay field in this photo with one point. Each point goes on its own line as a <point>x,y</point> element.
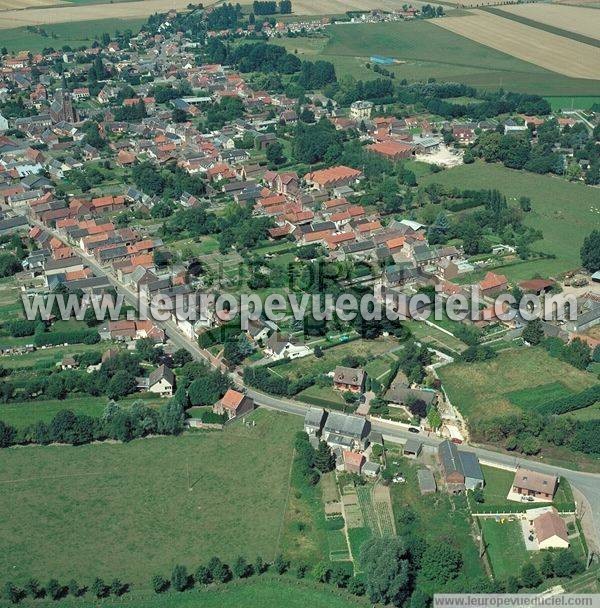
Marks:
<point>6,5</point>
<point>577,19</point>
<point>91,12</point>
<point>474,3</point>
<point>541,48</point>
<point>338,7</point>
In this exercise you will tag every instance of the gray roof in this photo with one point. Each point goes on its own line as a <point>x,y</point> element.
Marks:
<point>349,375</point>
<point>426,481</point>
<point>399,393</point>
<point>413,446</point>
<point>346,424</point>
<point>455,460</point>
<point>314,417</point>
<point>159,373</point>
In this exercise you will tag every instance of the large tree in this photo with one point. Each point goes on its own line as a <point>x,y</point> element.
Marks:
<point>590,251</point>
<point>386,568</point>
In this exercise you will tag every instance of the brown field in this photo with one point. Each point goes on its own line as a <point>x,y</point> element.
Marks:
<point>7,5</point>
<point>338,7</point>
<point>475,3</point>
<point>549,51</point>
<point>66,14</point>
<point>576,19</point>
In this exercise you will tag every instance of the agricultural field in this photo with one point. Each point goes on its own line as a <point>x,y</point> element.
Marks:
<point>74,34</point>
<point>581,102</point>
<point>565,212</point>
<point>7,5</point>
<point>339,7</point>
<point>490,388</point>
<point>426,51</point>
<point>576,19</point>
<point>552,52</point>
<point>69,15</point>
<point>89,496</point>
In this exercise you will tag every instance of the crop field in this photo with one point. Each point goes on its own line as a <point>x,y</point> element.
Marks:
<point>7,5</point>
<point>532,398</point>
<point>577,19</point>
<point>488,389</point>
<point>90,496</point>
<point>536,46</point>
<point>57,35</point>
<point>89,12</point>
<point>427,51</point>
<point>565,212</point>
<point>339,7</point>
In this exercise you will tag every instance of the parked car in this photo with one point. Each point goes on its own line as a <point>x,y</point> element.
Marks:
<point>413,429</point>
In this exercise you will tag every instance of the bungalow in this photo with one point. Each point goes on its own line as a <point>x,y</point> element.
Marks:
<point>349,379</point>
<point>551,530</point>
<point>278,347</point>
<point>161,382</point>
<point>233,404</point>
<point>540,486</point>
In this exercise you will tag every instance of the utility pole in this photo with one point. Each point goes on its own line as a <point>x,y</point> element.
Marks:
<point>188,475</point>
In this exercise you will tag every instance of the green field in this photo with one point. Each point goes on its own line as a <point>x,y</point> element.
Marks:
<point>578,102</point>
<point>565,212</point>
<point>532,398</point>
<point>432,52</point>
<point>78,33</point>
<point>483,390</point>
<point>125,509</point>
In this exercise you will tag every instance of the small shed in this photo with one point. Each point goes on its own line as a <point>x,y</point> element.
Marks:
<point>412,448</point>
<point>596,277</point>
<point>426,480</point>
<point>370,469</point>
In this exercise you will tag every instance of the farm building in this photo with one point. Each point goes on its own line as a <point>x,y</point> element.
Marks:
<point>461,470</point>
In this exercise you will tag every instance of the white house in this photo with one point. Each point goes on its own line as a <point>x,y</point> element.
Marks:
<point>278,347</point>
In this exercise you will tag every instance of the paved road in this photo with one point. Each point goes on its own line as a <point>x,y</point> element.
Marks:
<point>587,483</point>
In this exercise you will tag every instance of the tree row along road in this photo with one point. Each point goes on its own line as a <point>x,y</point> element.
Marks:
<point>587,483</point>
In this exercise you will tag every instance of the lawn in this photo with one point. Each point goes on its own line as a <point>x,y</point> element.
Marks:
<point>322,396</point>
<point>428,52</point>
<point>434,337</point>
<point>126,510</point>
<point>565,212</point>
<point>78,33</point>
<point>505,546</point>
<point>484,390</point>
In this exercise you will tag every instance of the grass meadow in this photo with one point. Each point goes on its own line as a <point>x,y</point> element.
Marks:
<point>565,212</point>
<point>125,509</point>
<point>514,381</point>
